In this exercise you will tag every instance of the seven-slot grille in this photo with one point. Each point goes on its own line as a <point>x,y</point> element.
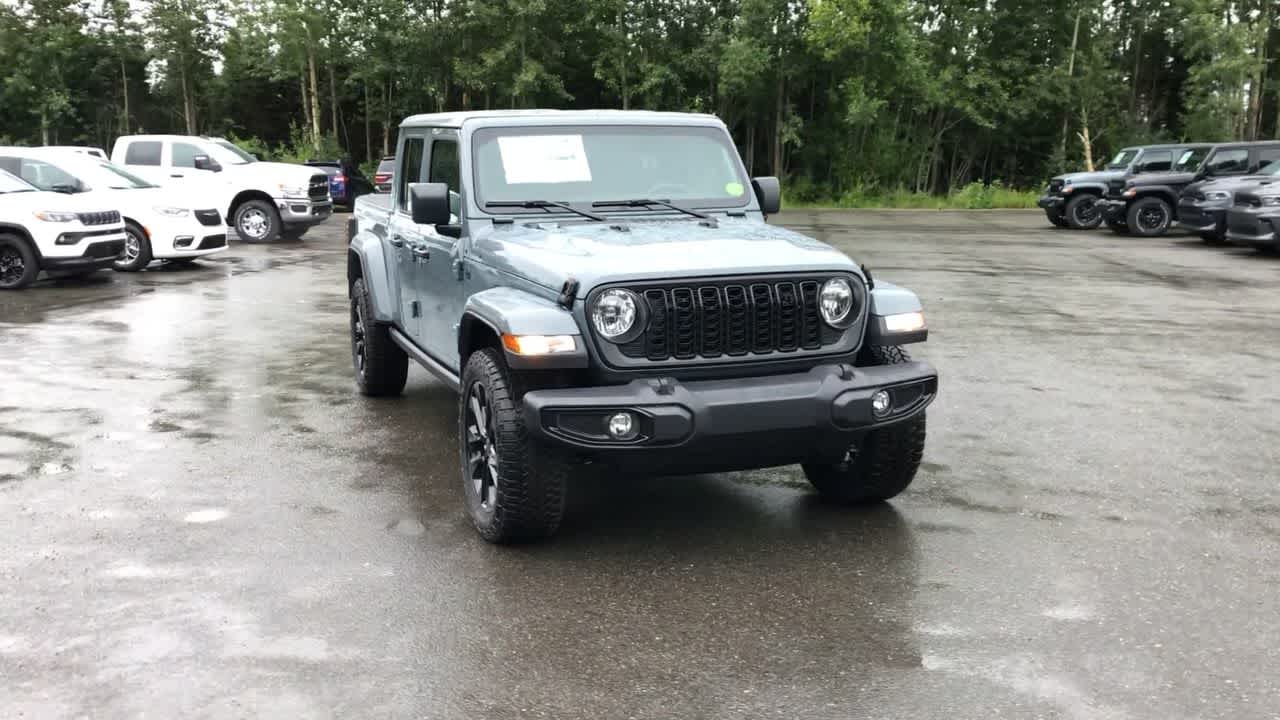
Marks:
<point>319,187</point>
<point>1055,186</point>
<point>732,318</point>
<point>1115,187</point>
<point>107,217</point>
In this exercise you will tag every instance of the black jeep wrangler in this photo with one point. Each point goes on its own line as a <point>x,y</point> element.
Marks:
<point>1146,205</point>
<point>1071,200</point>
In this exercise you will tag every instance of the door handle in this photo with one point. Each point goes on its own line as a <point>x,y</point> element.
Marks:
<point>176,175</point>
<point>396,240</point>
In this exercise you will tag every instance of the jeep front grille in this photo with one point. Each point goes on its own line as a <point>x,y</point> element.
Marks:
<point>1055,187</point>
<point>733,319</point>
<point>107,217</point>
<point>1115,187</point>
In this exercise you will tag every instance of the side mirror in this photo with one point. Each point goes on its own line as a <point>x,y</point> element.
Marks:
<point>66,188</point>
<point>204,162</point>
<point>429,203</point>
<point>768,194</point>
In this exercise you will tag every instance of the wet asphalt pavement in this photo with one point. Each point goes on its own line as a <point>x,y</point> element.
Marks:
<point>201,518</point>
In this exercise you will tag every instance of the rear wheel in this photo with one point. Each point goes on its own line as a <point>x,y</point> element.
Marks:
<point>381,365</point>
<point>1149,217</point>
<point>1083,213</point>
<point>883,462</point>
<point>514,486</point>
<point>137,250</point>
<point>18,265</point>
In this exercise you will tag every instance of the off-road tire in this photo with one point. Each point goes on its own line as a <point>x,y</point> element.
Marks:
<point>1138,209</point>
<point>1117,227</point>
<point>136,234</point>
<point>381,366</point>
<point>528,499</point>
<point>1056,219</point>
<point>270,215</point>
<point>884,462</point>
<point>1077,209</point>
<point>12,246</point>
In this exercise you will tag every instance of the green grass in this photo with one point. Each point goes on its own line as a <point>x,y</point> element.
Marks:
<point>974,196</point>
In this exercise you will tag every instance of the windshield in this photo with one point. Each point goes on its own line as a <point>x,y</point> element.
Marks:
<point>12,184</point>
<point>1190,160</point>
<point>228,154</point>
<point>98,174</point>
<point>1122,159</point>
<point>696,166</point>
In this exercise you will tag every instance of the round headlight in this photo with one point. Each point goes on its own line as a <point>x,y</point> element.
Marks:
<point>614,313</point>
<point>836,301</point>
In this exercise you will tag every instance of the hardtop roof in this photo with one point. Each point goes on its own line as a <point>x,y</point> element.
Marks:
<point>569,117</point>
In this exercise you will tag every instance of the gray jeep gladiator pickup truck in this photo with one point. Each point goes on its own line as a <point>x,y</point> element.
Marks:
<point>601,286</point>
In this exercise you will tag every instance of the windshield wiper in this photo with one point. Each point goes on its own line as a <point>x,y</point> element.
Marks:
<point>545,205</point>
<point>640,203</point>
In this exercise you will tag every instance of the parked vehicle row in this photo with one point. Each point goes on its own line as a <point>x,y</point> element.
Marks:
<point>1219,191</point>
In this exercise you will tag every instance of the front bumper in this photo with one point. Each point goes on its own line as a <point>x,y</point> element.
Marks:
<point>1113,210</point>
<point>304,212</point>
<point>1051,202</point>
<point>717,425</point>
<point>1201,219</point>
<point>1253,226</point>
<point>94,256</point>
<point>196,235</point>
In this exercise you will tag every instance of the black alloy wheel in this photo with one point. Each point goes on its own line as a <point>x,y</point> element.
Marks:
<point>481,447</point>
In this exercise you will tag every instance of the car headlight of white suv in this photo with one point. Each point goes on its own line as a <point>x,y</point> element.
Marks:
<point>58,216</point>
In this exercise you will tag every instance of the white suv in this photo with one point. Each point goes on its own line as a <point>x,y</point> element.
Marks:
<point>262,200</point>
<point>160,223</point>
<point>60,234</point>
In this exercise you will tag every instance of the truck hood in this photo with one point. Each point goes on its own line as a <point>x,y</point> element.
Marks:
<point>272,174</point>
<point>1099,177</point>
<point>594,253</point>
<point>1232,184</point>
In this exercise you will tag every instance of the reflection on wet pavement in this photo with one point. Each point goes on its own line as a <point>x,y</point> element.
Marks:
<point>203,519</point>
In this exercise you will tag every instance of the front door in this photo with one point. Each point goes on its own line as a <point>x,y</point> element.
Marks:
<point>441,273</point>
<point>404,236</point>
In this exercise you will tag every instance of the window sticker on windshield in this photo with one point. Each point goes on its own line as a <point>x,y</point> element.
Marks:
<point>734,189</point>
<point>1185,157</point>
<point>544,159</point>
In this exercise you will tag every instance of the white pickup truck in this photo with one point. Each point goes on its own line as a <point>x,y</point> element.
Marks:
<point>59,234</point>
<point>263,201</point>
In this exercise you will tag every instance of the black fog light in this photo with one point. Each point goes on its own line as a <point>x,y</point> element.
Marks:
<point>622,426</point>
<point>183,241</point>
<point>881,403</point>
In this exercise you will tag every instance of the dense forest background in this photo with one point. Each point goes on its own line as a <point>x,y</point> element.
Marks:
<point>838,96</point>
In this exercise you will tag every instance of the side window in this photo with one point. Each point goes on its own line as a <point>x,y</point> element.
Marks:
<point>1268,156</point>
<point>445,168</point>
<point>1159,161</point>
<point>184,154</point>
<point>410,169</point>
<point>143,152</point>
<point>1229,162</point>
